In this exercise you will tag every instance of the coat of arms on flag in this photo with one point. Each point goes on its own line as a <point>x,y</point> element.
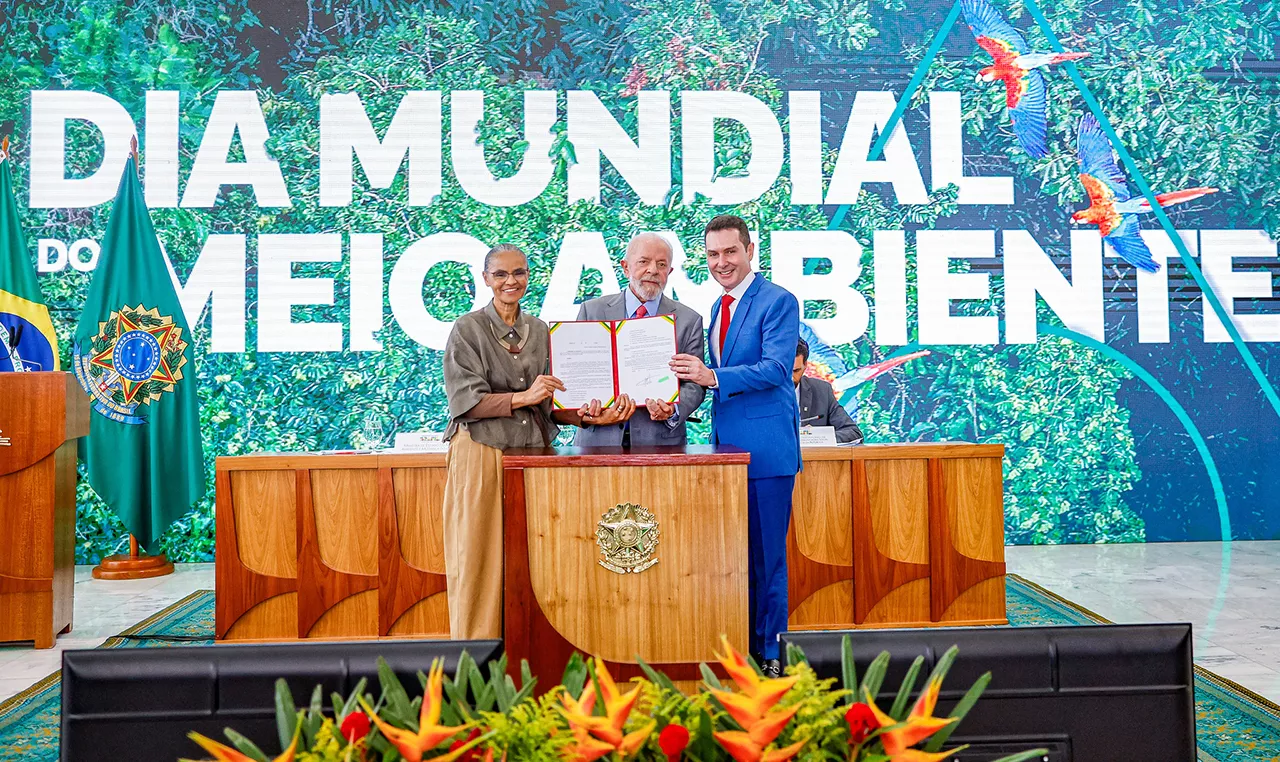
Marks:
<point>136,356</point>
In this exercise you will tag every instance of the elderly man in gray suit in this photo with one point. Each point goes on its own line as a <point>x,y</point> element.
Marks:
<point>647,265</point>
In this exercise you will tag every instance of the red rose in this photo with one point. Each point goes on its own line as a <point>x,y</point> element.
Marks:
<point>355,726</point>
<point>862,722</point>
<point>672,741</point>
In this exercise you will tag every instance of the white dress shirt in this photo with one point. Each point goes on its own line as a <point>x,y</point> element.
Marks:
<point>736,293</point>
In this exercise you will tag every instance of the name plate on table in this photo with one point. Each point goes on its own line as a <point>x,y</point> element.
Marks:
<point>817,436</point>
<point>421,441</point>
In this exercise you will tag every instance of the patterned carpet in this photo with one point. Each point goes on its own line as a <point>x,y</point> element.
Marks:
<point>1232,723</point>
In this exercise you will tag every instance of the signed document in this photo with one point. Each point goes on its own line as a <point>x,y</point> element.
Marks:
<point>600,360</point>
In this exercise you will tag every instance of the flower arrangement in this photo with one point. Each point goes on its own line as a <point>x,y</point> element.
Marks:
<point>472,717</point>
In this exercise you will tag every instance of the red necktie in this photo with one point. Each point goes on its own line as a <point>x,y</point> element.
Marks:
<point>642,311</point>
<point>725,301</point>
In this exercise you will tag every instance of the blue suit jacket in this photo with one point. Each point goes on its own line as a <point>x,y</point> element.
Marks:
<point>754,406</point>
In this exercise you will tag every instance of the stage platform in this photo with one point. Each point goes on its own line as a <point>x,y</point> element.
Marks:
<point>1227,591</point>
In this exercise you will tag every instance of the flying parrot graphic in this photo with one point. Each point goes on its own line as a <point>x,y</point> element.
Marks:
<point>1112,206</point>
<point>1014,63</point>
<point>825,363</point>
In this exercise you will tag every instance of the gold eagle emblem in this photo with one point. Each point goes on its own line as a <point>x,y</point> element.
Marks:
<point>627,536</point>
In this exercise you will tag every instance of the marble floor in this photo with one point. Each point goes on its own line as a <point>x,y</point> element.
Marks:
<point>1229,593</point>
<point>102,609</point>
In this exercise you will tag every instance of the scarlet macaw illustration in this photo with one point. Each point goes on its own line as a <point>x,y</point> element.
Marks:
<point>1016,65</point>
<point>1112,206</point>
<point>825,363</point>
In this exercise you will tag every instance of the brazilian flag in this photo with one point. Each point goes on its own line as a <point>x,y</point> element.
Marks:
<point>26,332</point>
<point>133,356</point>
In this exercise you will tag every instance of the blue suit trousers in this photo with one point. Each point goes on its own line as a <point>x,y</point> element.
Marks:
<point>768,517</point>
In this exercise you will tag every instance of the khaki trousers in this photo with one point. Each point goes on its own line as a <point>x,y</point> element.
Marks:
<point>473,538</point>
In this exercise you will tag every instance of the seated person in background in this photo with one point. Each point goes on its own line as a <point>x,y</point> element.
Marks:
<point>818,404</point>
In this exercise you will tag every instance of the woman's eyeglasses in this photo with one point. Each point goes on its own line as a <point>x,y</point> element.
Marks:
<point>501,275</point>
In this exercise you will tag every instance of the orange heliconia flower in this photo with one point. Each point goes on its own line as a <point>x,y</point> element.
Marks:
<point>223,753</point>
<point>919,725</point>
<point>600,736</point>
<point>430,733</point>
<point>753,707</point>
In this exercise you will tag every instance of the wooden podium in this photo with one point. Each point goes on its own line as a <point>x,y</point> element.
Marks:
<point>561,595</point>
<point>897,535</point>
<point>41,416</point>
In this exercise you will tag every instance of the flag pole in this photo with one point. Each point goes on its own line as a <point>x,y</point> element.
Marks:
<point>134,565</point>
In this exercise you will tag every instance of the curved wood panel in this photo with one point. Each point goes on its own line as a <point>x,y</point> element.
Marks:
<point>975,507</point>
<point>27,403</point>
<point>266,517</point>
<point>875,574</point>
<point>696,591</point>
<point>276,618</point>
<point>898,491</point>
<point>320,586</point>
<point>419,495</point>
<point>954,502</point>
<point>828,608</point>
<point>345,502</point>
<point>984,603</point>
<point>903,606</point>
<point>238,588</point>
<point>401,585</point>
<point>355,616</point>
<point>822,513</point>
<point>426,618</point>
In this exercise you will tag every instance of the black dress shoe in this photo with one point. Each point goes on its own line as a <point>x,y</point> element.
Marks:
<point>771,668</point>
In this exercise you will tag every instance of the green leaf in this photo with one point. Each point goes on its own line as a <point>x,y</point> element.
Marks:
<point>874,676</point>
<point>848,670</point>
<point>286,713</point>
<point>656,677</point>
<point>899,709</point>
<point>961,709</point>
<point>354,698</point>
<point>1024,755</point>
<point>575,675</point>
<point>795,655</point>
<point>944,665</point>
<point>246,747</point>
<point>395,696</point>
<point>709,677</point>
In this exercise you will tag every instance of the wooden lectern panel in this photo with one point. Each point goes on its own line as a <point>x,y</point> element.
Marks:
<point>696,591</point>
<point>41,416</point>
<point>266,514</point>
<point>560,599</point>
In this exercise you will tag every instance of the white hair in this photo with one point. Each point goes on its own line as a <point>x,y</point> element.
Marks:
<point>646,237</point>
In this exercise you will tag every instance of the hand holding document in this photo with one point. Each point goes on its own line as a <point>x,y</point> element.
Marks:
<point>603,360</point>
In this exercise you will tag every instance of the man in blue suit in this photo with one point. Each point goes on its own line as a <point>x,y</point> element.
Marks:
<point>755,328</point>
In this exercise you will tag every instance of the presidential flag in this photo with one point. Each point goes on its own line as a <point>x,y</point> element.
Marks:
<point>26,332</point>
<point>133,356</point>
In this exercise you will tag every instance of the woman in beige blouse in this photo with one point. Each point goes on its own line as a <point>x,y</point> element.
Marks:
<point>495,375</point>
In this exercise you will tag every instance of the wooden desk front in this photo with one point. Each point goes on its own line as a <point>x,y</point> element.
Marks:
<point>897,535</point>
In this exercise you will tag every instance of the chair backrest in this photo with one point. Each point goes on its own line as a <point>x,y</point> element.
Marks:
<point>1087,693</point>
<point>140,703</point>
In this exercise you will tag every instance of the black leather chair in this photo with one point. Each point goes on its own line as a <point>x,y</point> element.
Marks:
<point>1087,693</point>
<point>140,703</point>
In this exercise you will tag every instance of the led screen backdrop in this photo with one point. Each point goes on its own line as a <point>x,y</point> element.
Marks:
<point>326,178</point>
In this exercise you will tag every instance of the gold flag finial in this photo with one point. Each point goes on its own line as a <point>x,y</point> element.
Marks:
<point>133,147</point>
<point>4,147</point>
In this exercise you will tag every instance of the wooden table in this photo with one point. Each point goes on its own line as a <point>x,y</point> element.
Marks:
<point>898,535</point>
<point>332,546</point>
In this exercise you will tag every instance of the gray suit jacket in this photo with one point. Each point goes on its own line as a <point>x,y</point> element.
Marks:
<point>689,340</point>
<point>819,407</point>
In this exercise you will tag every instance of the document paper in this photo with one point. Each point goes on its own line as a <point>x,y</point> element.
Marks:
<point>600,360</point>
